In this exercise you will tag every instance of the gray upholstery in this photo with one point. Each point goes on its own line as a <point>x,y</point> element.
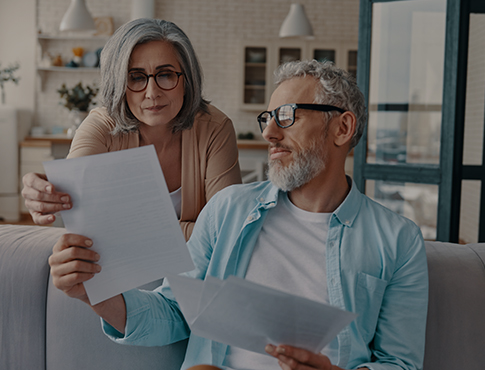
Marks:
<point>41,328</point>
<point>455,331</point>
<point>24,274</point>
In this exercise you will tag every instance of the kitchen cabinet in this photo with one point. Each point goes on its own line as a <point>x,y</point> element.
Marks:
<point>261,58</point>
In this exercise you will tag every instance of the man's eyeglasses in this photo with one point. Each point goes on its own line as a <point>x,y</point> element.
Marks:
<point>284,115</point>
<point>165,80</point>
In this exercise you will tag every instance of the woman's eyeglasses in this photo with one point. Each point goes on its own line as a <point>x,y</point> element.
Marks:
<point>284,115</point>
<point>165,80</point>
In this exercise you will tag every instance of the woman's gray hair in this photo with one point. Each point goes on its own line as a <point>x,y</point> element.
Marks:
<point>337,87</point>
<point>115,59</point>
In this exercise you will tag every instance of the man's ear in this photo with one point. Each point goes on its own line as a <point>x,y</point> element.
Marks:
<point>345,128</point>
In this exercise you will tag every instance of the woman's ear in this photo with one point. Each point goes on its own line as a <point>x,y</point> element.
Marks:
<point>345,129</point>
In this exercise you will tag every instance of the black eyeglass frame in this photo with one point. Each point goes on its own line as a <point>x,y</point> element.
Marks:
<point>147,78</point>
<point>294,106</point>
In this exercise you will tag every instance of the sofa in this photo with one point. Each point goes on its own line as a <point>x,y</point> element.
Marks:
<point>41,328</point>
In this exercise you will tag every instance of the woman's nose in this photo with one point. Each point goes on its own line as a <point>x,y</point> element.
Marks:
<point>152,91</point>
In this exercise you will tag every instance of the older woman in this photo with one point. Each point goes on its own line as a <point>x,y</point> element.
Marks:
<point>151,89</point>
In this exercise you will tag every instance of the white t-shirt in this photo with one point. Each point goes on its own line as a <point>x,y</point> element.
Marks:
<point>289,255</point>
<point>176,197</point>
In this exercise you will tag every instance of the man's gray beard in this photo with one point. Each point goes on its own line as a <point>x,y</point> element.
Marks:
<point>306,165</point>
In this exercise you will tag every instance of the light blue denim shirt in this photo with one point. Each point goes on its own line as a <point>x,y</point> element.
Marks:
<point>376,267</point>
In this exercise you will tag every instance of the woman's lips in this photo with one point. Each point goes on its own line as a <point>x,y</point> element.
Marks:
<point>155,108</point>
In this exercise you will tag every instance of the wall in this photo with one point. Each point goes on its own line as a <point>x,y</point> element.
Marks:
<point>17,44</point>
<point>217,29</point>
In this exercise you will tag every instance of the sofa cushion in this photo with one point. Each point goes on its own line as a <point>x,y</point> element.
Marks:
<point>455,328</point>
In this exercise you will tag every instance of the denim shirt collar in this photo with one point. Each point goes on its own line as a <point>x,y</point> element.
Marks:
<point>348,210</point>
<point>268,197</point>
<point>345,213</point>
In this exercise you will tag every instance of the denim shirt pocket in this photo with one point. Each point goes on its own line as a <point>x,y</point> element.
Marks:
<point>369,294</point>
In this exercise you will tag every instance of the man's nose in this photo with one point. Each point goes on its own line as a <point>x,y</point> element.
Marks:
<point>272,131</point>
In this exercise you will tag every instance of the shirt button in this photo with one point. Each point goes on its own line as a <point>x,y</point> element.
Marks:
<point>250,218</point>
<point>261,200</point>
<point>347,222</point>
<point>332,244</point>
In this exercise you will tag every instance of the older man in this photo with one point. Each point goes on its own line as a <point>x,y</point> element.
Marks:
<point>308,231</point>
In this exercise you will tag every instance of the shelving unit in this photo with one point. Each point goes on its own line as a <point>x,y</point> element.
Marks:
<point>66,41</point>
<point>261,58</point>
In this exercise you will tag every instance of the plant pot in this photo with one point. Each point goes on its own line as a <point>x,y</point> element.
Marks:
<point>75,117</point>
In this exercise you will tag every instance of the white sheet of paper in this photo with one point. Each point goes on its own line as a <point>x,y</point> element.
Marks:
<point>121,201</point>
<point>241,313</point>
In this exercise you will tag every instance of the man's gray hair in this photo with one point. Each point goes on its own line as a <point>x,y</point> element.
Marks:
<point>115,59</point>
<point>337,87</point>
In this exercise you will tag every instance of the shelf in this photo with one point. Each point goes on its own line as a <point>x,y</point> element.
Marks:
<point>253,144</point>
<point>252,64</point>
<point>67,69</point>
<point>72,37</point>
<point>38,140</point>
<point>44,39</point>
<point>253,107</point>
<point>43,71</point>
<point>255,87</point>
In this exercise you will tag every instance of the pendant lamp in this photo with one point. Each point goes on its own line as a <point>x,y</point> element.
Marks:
<point>296,23</point>
<point>142,9</point>
<point>77,18</point>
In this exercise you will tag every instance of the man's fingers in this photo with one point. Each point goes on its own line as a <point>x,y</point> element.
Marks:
<point>72,263</point>
<point>298,358</point>
<point>76,270</point>
<point>70,240</point>
<point>72,285</point>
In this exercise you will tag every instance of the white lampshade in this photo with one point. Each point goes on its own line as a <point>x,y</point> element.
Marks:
<point>296,23</point>
<point>77,17</point>
<point>142,9</point>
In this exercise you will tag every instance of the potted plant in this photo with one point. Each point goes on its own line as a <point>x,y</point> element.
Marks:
<point>7,74</point>
<point>77,100</point>
<point>78,97</point>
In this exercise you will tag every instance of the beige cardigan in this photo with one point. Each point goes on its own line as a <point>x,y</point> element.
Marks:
<point>209,155</point>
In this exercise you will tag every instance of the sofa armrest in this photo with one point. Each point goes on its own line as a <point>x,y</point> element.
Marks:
<point>24,274</point>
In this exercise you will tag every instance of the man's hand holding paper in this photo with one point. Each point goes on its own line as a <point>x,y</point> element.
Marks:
<point>249,316</point>
<point>121,203</point>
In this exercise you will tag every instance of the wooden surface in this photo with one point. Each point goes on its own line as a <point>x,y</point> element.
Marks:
<point>252,144</point>
<point>55,139</point>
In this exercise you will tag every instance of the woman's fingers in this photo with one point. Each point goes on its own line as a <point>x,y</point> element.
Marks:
<point>40,219</point>
<point>41,198</point>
